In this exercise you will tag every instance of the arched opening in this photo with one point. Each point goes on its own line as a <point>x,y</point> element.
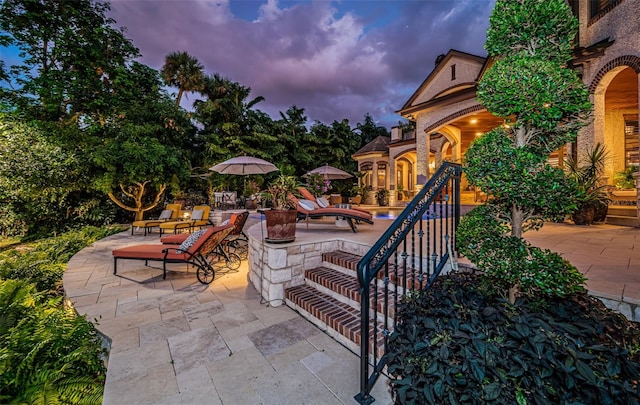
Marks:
<point>616,119</point>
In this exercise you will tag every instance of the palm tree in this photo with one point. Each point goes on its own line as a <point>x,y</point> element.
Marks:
<point>183,71</point>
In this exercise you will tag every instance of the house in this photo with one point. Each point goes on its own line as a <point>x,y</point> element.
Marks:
<point>445,116</point>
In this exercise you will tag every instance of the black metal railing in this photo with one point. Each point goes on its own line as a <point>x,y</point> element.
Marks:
<point>408,256</point>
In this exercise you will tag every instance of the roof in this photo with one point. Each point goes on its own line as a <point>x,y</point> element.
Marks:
<point>442,62</point>
<point>379,144</point>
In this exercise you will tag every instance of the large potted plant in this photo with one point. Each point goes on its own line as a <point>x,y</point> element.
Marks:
<point>250,193</point>
<point>281,218</point>
<point>382,197</point>
<point>592,198</point>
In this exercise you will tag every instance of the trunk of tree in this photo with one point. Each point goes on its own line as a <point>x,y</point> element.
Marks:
<point>136,195</point>
<point>179,97</point>
<point>517,217</point>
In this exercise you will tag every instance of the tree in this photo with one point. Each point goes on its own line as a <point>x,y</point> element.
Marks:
<point>70,55</point>
<point>544,104</point>
<point>37,177</point>
<point>183,71</point>
<point>139,151</point>
<point>368,130</point>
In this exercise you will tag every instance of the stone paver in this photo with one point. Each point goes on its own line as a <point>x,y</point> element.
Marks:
<point>177,341</point>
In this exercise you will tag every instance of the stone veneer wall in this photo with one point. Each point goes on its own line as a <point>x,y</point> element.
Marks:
<point>275,267</point>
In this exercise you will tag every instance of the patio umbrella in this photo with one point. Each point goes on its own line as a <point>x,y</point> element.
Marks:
<point>243,165</point>
<point>330,172</point>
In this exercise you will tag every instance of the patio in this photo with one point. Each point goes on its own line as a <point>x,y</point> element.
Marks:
<point>178,341</point>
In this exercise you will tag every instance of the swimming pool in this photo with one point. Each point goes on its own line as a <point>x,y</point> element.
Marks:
<point>393,213</point>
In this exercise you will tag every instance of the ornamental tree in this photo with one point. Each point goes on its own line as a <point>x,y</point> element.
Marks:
<point>544,104</point>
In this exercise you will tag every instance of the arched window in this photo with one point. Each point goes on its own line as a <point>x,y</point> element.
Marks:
<point>382,175</point>
<point>367,169</point>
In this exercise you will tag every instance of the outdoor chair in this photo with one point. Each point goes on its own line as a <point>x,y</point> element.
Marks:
<point>194,251</point>
<point>306,210</point>
<point>236,241</point>
<point>198,218</point>
<point>171,212</point>
<point>321,202</point>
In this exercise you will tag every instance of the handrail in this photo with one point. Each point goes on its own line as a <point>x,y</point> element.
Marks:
<point>420,261</point>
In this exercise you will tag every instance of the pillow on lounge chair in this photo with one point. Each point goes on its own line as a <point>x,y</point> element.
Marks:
<point>322,202</point>
<point>307,205</point>
<point>197,214</point>
<point>165,214</point>
<point>191,239</point>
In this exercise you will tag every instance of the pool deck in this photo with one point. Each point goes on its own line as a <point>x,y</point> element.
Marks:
<point>176,341</point>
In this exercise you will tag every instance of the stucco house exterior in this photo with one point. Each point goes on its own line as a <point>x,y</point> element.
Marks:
<point>447,117</point>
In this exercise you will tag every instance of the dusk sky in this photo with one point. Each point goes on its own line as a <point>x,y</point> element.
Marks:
<point>335,59</point>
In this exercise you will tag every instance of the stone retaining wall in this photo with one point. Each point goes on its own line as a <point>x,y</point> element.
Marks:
<point>275,267</point>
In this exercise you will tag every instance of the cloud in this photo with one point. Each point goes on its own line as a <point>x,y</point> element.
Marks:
<point>334,59</point>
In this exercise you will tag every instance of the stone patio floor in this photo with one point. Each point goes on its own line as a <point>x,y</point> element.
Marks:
<point>177,341</point>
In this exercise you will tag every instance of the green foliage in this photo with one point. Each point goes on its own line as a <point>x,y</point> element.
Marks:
<point>72,56</point>
<point>43,262</point>
<point>317,184</point>
<point>549,102</point>
<point>586,174</point>
<point>38,178</point>
<point>456,344</point>
<point>543,29</point>
<point>543,103</point>
<point>624,180</point>
<point>507,260</point>
<point>518,176</point>
<point>48,354</point>
<point>278,191</point>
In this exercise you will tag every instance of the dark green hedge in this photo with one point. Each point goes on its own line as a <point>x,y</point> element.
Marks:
<point>457,345</point>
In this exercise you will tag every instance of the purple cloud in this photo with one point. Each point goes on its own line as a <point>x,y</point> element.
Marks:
<point>334,59</point>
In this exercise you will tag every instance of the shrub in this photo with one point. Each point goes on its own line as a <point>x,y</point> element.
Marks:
<point>457,344</point>
<point>43,262</point>
<point>48,354</point>
<point>543,103</point>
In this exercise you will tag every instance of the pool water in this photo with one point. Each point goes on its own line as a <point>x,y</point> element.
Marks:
<point>393,213</point>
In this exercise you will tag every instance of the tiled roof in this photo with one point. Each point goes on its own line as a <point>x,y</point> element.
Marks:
<point>379,144</point>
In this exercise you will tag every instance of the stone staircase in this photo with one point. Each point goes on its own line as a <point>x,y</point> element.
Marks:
<point>623,215</point>
<point>330,299</point>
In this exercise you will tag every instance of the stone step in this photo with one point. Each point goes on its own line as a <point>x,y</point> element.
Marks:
<point>622,211</point>
<point>623,221</point>
<point>345,288</point>
<point>337,319</point>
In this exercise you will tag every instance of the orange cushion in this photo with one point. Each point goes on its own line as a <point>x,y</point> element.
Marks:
<point>151,252</point>
<point>176,239</point>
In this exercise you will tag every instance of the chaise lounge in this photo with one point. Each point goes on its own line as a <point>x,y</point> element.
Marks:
<point>193,250</point>
<point>198,218</point>
<point>171,212</point>
<point>306,210</point>
<point>321,202</point>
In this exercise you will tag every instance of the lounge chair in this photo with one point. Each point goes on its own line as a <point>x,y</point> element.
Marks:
<point>194,250</point>
<point>322,202</point>
<point>306,211</point>
<point>236,240</point>
<point>198,218</point>
<point>171,212</point>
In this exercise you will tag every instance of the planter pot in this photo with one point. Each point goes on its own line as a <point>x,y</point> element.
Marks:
<point>583,216</point>
<point>250,204</point>
<point>600,212</point>
<point>357,200</point>
<point>281,226</point>
<point>383,202</point>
